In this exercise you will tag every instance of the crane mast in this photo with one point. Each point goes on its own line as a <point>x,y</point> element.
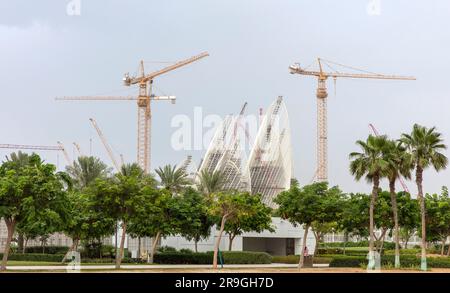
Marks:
<point>105,144</point>
<point>322,94</point>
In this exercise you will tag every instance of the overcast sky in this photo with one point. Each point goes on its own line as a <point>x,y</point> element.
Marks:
<point>44,53</point>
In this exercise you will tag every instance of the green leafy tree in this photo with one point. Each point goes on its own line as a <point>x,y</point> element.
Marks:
<point>258,219</point>
<point>426,146</point>
<point>309,204</point>
<point>371,164</point>
<point>355,214</point>
<point>30,193</point>
<point>408,216</point>
<point>195,221</point>
<point>172,178</point>
<point>438,218</point>
<point>85,170</point>
<point>227,206</point>
<point>86,221</point>
<point>122,199</point>
<point>160,217</point>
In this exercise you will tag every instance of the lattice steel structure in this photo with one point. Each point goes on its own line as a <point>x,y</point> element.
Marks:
<point>226,154</point>
<point>270,160</point>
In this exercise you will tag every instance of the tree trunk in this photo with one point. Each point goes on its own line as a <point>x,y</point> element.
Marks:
<point>443,246</point>
<point>122,244</point>
<point>216,247</point>
<point>448,251</point>
<point>373,198</point>
<point>396,227</point>
<point>419,178</point>
<point>139,248</point>
<point>382,237</point>
<point>195,245</point>
<point>316,246</point>
<point>20,243</point>
<point>302,253</point>
<point>10,225</point>
<point>230,243</point>
<point>24,248</point>
<point>153,251</point>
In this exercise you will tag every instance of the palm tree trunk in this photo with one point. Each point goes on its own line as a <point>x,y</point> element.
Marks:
<point>302,253</point>
<point>419,178</point>
<point>153,251</point>
<point>396,227</point>
<point>122,244</point>
<point>216,247</point>
<point>376,183</point>
<point>10,225</point>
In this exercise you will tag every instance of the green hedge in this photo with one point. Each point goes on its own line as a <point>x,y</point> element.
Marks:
<point>338,250</point>
<point>294,259</point>
<point>35,257</point>
<point>48,249</point>
<point>229,257</point>
<point>386,245</point>
<point>405,261</point>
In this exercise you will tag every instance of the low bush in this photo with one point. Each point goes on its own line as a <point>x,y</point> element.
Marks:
<point>229,257</point>
<point>294,259</point>
<point>35,257</point>
<point>338,250</point>
<point>386,245</point>
<point>389,260</point>
<point>166,249</point>
<point>47,250</point>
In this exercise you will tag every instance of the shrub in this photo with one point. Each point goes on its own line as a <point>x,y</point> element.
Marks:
<point>48,249</point>
<point>386,245</point>
<point>229,257</point>
<point>294,259</point>
<point>166,249</point>
<point>246,257</point>
<point>186,250</point>
<point>35,257</point>
<point>348,251</point>
<point>406,261</point>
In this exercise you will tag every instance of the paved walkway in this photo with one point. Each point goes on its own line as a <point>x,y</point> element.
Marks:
<point>151,267</point>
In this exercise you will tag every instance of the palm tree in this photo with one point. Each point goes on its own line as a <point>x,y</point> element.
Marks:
<point>20,159</point>
<point>426,146</point>
<point>399,163</point>
<point>86,169</point>
<point>371,164</point>
<point>210,182</point>
<point>172,178</point>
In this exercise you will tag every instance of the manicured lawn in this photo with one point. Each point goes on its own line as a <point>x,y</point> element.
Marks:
<point>33,263</point>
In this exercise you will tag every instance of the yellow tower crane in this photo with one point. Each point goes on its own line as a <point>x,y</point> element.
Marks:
<point>322,94</point>
<point>144,99</point>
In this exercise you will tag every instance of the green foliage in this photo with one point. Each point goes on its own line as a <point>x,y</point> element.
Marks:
<point>35,257</point>
<point>229,257</point>
<point>256,219</point>
<point>294,259</point>
<point>312,203</point>
<point>32,197</point>
<point>163,249</point>
<point>172,178</point>
<point>48,249</point>
<point>388,260</point>
<point>86,170</point>
<point>195,221</point>
<point>438,216</point>
<point>211,182</point>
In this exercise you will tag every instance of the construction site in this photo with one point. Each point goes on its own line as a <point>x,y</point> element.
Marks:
<point>266,168</point>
